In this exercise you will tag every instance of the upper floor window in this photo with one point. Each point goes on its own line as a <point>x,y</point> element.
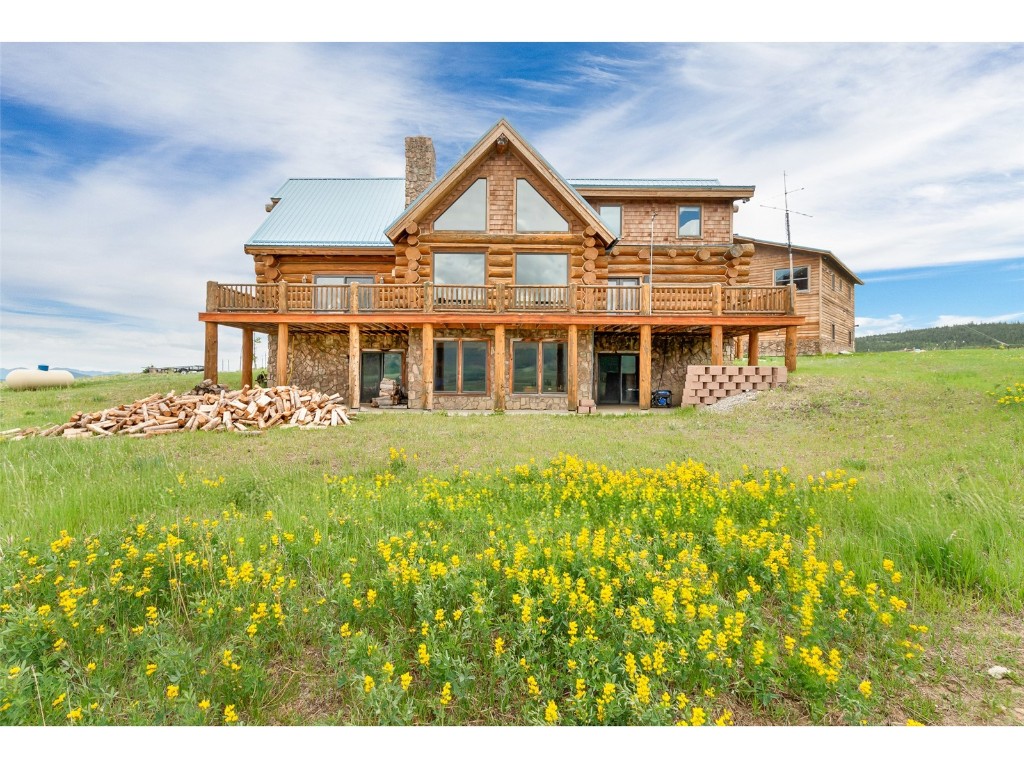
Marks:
<point>542,269</point>
<point>468,213</point>
<point>459,268</point>
<point>534,213</point>
<point>689,221</point>
<point>612,216</point>
<point>800,277</point>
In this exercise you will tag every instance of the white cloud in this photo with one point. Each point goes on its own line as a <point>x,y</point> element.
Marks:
<point>139,234</point>
<point>871,326</point>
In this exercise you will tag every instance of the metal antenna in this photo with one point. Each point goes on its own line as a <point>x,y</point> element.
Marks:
<point>789,240</point>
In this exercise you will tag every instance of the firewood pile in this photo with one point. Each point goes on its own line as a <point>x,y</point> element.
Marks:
<point>387,395</point>
<point>243,410</point>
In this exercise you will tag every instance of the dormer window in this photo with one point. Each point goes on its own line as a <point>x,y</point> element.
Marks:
<point>468,213</point>
<point>534,213</point>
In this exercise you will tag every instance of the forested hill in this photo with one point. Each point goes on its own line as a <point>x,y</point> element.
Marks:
<point>972,335</point>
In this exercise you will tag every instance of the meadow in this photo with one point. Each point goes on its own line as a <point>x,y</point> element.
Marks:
<point>845,550</point>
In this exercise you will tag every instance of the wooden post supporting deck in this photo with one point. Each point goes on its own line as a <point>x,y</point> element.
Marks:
<point>791,348</point>
<point>752,350</point>
<point>282,354</point>
<point>428,367</point>
<point>716,345</point>
<point>247,357</point>
<point>499,367</point>
<point>572,367</point>
<point>210,358</point>
<point>737,348</point>
<point>353,365</point>
<point>645,366</point>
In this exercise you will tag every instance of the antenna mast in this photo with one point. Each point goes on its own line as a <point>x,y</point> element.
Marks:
<point>789,239</point>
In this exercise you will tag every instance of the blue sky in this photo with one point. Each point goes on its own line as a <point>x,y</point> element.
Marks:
<point>132,173</point>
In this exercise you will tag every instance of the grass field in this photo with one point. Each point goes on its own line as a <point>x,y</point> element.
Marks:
<point>940,482</point>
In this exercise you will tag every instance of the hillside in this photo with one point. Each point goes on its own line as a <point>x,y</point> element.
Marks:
<point>970,336</point>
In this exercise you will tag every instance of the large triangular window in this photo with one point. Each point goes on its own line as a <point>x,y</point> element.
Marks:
<point>534,213</point>
<point>468,213</point>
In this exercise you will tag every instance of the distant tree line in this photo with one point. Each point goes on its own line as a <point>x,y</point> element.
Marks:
<point>969,336</point>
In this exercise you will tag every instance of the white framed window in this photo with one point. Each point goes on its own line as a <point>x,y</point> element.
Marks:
<point>612,216</point>
<point>800,277</point>
<point>689,221</point>
<point>468,213</point>
<point>534,213</point>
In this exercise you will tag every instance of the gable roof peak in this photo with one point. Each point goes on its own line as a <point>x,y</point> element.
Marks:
<point>501,136</point>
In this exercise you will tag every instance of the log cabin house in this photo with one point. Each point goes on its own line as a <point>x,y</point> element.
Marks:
<point>825,289</point>
<point>500,285</point>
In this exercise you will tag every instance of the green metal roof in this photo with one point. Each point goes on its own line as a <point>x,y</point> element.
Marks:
<point>332,212</point>
<point>356,212</point>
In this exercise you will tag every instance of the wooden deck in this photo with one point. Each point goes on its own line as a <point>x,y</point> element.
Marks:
<point>715,310</point>
<point>564,301</point>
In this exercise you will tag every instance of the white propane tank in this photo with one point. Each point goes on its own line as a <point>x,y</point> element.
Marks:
<point>23,378</point>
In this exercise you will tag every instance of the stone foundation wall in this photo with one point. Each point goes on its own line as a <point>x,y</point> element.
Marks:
<point>775,348</point>
<point>443,402</point>
<point>537,403</point>
<point>315,361</point>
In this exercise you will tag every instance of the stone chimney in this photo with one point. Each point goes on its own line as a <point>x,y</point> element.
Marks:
<point>420,166</point>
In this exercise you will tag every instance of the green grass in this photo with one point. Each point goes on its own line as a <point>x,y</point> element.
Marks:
<point>940,464</point>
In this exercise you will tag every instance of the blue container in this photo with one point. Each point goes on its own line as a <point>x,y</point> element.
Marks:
<point>44,367</point>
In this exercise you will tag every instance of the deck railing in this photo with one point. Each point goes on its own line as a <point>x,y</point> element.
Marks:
<point>615,300</point>
<point>463,298</point>
<point>755,300</point>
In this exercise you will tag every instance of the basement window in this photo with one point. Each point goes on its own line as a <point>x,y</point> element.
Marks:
<point>538,366</point>
<point>800,277</point>
<point>460,367</point>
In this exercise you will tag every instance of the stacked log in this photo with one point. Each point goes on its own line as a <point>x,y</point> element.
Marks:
<point>243,410</point>
<point>387,395</point>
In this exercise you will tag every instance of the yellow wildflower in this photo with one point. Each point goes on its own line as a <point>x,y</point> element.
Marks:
<point>172,691</point>
<point>204,704</point>
<point>368,683</point>
<point>446,695</point>
<point>150,669</point>
<point>230,716</point>
<point>406,680</point>
<point>865,688</point>
<point>551,712</point>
